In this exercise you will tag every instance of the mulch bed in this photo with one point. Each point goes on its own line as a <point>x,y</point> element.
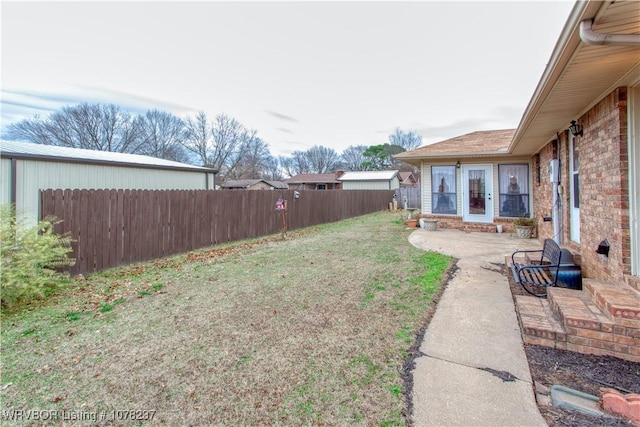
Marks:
<point>584,372</point>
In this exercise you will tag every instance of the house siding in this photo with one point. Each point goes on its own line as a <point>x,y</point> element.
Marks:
<point>5,181</point>
<point>455,221</point>
<point>604,189</point>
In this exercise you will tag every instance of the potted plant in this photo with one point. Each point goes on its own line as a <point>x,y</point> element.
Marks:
<point>524,226</point>
<point>412,222</point>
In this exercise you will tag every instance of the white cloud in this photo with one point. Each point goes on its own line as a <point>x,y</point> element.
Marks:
<point>336,72</point>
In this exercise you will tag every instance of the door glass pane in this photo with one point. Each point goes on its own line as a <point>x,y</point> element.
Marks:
<point>477,192</point>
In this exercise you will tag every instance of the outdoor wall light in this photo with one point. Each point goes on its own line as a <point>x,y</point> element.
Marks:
<point>458,164</point>
<point>603,248</point>
<point>575,128</point>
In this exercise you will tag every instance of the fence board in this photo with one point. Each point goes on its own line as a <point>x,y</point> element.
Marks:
<point>118,227</point>
<point>411,195</point>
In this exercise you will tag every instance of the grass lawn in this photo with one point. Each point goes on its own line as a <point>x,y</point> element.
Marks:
<point>314,329</point>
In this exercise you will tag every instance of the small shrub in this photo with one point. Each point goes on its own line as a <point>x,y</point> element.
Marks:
<point>523,221</point>
<point>30,258</point>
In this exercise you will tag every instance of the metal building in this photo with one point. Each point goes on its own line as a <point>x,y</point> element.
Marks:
<point>370,180</point>
<point>27,168</point>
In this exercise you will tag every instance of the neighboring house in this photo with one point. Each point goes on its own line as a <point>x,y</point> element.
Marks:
<point>408,179</point>
<point>253,184</point>
<point>315,181</point>
<point>26,168</point>
<point>370,180</point>
<point>583,188</point>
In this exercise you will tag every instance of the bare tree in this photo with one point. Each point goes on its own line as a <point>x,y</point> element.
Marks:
<point>408,140</point>
<point>322,159</point>
<point>162,135</point>
<point>28,130</point>
<point>91,126</point>
<point>273,170</point>
<point>229,137</point>
<point>198,138</point>
<point>253,160</point>
<point>353,157</point>
<point>295,164</point>
<point>219,144</point>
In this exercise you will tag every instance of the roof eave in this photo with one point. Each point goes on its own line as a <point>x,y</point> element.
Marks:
<point>457,155</point>
<point>564,50</point>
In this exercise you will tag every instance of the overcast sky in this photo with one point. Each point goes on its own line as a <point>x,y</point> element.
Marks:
<point>300,73</point>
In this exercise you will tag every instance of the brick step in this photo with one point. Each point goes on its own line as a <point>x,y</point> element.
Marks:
<point>575,309</point>
<point>633,281</point>
<point>538,324</point>
<point>619,302</point>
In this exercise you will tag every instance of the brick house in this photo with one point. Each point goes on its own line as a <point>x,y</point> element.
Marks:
<point>315,181</point>
<point>584,189</point>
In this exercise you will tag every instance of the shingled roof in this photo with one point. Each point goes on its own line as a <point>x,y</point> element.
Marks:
<point>479,143</point>
<point>313,178</point>
<point>246,183</point>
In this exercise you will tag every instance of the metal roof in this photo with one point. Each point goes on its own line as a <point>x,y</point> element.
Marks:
<point>26,150</point>
<point>369,176</point>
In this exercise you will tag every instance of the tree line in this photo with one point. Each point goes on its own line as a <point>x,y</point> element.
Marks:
<point>221,142</point>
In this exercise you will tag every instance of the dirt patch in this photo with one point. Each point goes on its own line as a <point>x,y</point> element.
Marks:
<point>583,372</point>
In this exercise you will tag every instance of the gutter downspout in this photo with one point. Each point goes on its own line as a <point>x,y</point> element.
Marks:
<point>588,36</point>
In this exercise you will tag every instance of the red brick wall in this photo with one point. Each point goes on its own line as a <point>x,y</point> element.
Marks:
<point>604,202</point>
<point>604,198</point>
<point>455,222</point>
<point>542,191</point>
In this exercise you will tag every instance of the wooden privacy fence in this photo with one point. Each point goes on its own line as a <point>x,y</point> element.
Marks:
<point>119,227</point>
<point>412,195</point>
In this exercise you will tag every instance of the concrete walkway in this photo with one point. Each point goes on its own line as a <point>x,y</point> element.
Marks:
<point>472,349</point>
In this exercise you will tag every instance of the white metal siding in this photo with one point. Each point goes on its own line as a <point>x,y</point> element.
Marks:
<point>5,181</point>
<point>35,175</point>
<point>395,183</point>
<point>371,185</point>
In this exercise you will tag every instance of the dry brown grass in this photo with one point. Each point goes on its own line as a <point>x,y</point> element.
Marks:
<point>311,330</point>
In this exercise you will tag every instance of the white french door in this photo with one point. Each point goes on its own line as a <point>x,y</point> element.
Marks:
<point>477,189</point>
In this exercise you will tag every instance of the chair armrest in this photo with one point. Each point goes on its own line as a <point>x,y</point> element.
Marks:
<point>513,255</point>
